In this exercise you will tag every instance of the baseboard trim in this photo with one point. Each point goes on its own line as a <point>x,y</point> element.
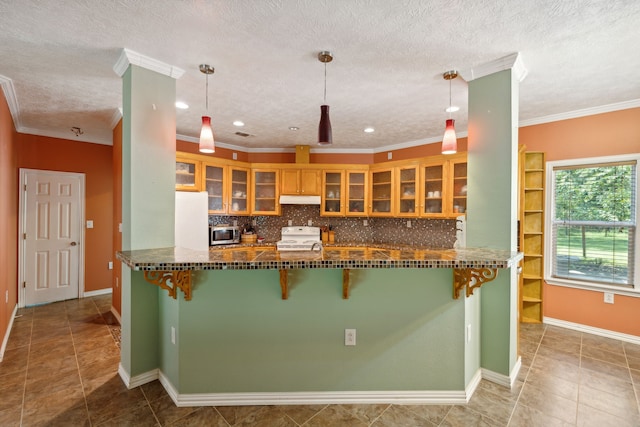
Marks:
<point>473,385</point>
<point>138,380</point>
<point>116,314</point>
<point>592,330</point>
<point>104,291</point>
<point>5,340</point>
<point>501,379</point>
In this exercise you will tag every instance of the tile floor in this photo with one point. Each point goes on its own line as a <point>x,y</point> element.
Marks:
<point>60,369</point>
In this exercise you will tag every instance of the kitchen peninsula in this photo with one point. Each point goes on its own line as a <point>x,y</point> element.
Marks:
<point>237,342</point>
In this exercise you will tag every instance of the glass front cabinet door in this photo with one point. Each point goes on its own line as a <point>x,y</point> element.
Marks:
<point>214,184</point>
<point>187,174</point>
<point>266,192</point>
<point>356,192</point>
<point>381,193</point>
<point>332,193</point>
<point>433,190</point>
<point>407,191</point>
<point>238,191</point>
<point>459,186</point>
<point>227,188</point>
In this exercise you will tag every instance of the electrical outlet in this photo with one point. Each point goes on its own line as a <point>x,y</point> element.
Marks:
<point>235,222</point>
<point>365,222</point>
<point>254,222</point>
<point>349,337</point>
<point>309,223</point>
<point>235,156</point>
<point>173,335</point>
<point>120,227</point>
<point>408,223</point>
<point>89,223</point>
<point>469,333</point>
<point>110,265</point>
<point>389,155</point>
<point>608,297</point>
<point>289,223</point>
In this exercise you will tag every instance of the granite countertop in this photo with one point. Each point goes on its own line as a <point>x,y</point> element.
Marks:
<point>343,255</point>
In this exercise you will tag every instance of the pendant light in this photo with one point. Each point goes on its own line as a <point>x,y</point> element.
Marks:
<point>206,133</point>
<point>324,129</point>
<point>449,141</point>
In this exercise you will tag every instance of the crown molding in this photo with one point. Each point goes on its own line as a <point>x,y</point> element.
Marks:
<point>625,105</point>
<point>115,118</point>
<point>12,100</point>
<point>513,62</point>
<point>129,57</point>
<point>63,135</point>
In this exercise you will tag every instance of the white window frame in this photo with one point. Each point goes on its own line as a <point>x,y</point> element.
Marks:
<point>549,212</point>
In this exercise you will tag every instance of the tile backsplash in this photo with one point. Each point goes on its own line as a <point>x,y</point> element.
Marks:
<point>436,233</point>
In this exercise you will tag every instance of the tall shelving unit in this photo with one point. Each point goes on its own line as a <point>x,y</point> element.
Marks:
<point>532,237</point>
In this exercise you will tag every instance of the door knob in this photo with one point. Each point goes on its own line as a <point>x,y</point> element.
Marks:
<point>73,243</point>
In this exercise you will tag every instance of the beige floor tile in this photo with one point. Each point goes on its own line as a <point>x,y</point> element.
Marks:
<point>543,380</point>
<point>605,382</point>
<point>563,333</point>
<point>560,343</point>
<point>463,416</point>
<point>616,371</point>
<point>601,343</point>
<point>94,343</point>
<point>301,413</point>
<point>62,405</point>
<point>19,339</point>
<point>233,414</point>
<point>622,405</point>
<point>366,413</point>
<point>41,387</point>
<point>106,405</point>
<point>592,417</point>
<point>559,355</point>
<point>432,413</point>
<point>550,404</point>
<point>167,412</point>
<point>335,416</point>
<point>397,415</point>
<point>561,369</point>
<point>633,362</point>
<point>153,390</point>
<point>205,416</point>
<point>617,358</point>
<point>43,367</point>
<point>11,417</point>
<point>14,360</point>
<point>492,405</point>
<point>530,417</point>
<point>632,350</point>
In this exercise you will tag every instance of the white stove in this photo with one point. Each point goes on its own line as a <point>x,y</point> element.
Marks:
<point>300,239</point>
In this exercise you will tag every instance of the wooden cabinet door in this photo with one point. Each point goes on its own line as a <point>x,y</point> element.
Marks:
<point>309,182</point>
<point>458,186</point>
<point>290,181</point>
<point>382,192</point>
<point>188,174</point>
<point>407,191</point>
<point>357,192</point>
<point>266,192</point>
<point>238,191</point>
<point>333,194</point>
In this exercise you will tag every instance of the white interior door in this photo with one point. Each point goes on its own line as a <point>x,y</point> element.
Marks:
<point>52,235</point>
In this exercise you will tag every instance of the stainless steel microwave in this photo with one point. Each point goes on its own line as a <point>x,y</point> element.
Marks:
<point>224,235</point>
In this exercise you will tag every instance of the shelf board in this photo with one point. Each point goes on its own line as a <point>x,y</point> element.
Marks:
<point>533,255</point>
<point>531,299</point>
<point>534,170</point>
<point>532,233</point>
<point>530,320</point>
<point>531,277</point>
<point>534,189</point>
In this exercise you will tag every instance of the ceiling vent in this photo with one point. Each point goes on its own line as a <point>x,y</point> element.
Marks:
<point>244,134</point>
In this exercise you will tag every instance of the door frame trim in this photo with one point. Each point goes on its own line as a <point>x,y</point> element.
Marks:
<point>22,214</point>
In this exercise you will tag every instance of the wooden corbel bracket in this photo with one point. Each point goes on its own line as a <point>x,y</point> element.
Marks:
<point>171,281</point>
<point>470,279</point>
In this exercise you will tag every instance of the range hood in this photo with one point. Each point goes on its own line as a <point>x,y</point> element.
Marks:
<point>299,200</point>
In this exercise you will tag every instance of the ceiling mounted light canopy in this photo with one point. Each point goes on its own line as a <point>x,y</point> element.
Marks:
<point>324,128</point>
<point>206,133</point>
<point>449,141</point>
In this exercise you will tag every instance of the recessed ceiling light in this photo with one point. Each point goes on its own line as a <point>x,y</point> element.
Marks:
<point>182,105</point>
<point>369,130</point>
<point>294,128</point>
<point>452,109</point>
<point>238,123</point>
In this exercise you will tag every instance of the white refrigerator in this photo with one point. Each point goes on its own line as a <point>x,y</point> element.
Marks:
<point>192,220</point>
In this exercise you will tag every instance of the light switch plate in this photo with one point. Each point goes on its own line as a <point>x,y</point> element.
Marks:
<point>349,337</point>
<point>89,223</point>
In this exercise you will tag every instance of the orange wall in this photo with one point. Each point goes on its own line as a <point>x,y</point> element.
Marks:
<point>434,149</point>
<point>95,161</point>
<point>8,217</point>
<point>598,135</point>
<point>116,280</point>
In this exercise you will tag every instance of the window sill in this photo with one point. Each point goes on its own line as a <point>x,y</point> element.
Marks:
<point>597,287</point>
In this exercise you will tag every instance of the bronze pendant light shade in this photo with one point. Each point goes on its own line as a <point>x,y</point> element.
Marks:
<point>324,128</point>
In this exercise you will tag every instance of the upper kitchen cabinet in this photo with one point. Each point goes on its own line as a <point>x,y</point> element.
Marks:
<point>382,192</point>
<point>407,186</point>
<point>188,174</point>
<point>300,182</point>
<point>228,189</point>
<point>266,192</point>
<point>333,193</point>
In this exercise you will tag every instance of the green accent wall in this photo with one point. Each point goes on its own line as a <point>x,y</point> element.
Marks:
<point>492,208</point>
<point>238,335</point>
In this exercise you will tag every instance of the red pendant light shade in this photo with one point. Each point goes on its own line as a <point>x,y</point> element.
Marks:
<point>207,144</point>
<point>206,136</point>
<point>449,141</point>
<point>324,129</point>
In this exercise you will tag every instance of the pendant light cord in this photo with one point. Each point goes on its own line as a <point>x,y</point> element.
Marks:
<point>206,95</point>
<point>449,98</point>
<point>325,82</point>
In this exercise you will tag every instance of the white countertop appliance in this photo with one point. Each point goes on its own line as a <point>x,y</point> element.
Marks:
<point>300,239</point>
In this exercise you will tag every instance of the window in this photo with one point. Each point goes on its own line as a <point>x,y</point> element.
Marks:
<point>591,220</point>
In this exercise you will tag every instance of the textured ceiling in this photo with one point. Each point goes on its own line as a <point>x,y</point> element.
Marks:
<point>389,57</point>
